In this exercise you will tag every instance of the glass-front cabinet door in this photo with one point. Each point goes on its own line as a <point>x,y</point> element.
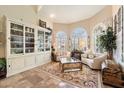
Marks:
<point>40,40</point>
<point>47,41</point>
<point>16,38</point>
<point>29,40</point>
<point>22,39</point>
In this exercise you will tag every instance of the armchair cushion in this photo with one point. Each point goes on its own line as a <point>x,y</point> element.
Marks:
<point>84,55</point>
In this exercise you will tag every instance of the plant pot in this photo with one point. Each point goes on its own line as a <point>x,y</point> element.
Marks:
<point>2,68</point>
<point>109,55</point>
<point>2,74</point>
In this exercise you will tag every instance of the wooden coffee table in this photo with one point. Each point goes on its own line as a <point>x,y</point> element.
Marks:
<point>70,64</point>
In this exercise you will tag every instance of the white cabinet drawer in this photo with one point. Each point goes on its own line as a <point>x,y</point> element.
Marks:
<point>16,63</point>
<point>39,59</point>
<point>29,60</point>
<point>47,57</point>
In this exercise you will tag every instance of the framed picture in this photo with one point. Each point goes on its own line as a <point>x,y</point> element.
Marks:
<point>42,24</point>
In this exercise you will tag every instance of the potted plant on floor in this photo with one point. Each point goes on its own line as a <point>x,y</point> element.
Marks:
<point>2,68</point>
<point>108,41</point>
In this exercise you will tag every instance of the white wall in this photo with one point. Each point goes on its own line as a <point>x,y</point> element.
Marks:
<point>25,13</point>
<point>20,12</point>
<point>104,16</point>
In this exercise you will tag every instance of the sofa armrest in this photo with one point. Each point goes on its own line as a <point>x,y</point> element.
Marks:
<point>100,58</point>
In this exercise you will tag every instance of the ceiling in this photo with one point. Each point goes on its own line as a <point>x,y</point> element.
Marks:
<point>69,13</point>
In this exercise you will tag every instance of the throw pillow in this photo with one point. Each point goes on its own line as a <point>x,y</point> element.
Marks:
<point>91,56</point>
<point>84,55</point>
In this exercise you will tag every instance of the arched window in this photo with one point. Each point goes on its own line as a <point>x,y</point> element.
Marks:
<point>98,31</point>
<point>79,39</point>
<point>61,40</point>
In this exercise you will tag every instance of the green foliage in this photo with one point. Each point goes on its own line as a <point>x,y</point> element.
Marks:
<point>108,40</point>
<point>2,64</point>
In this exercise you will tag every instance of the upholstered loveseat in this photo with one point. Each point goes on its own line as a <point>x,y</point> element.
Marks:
<point>93,60</point>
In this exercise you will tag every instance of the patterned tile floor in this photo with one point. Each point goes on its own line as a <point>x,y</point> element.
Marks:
<point>34,78</point>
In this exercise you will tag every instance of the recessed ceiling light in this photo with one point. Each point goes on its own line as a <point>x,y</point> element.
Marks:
<point>52,15</point>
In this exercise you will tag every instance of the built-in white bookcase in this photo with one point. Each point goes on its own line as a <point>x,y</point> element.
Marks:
<point>29,40</point>
<point>27,45</point>
<point>16,38</point>
<point>40,41</point>
<point>47,41</point>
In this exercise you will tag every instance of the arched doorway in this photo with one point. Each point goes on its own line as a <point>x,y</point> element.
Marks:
<point>79,39</point>
<point>98,30</point>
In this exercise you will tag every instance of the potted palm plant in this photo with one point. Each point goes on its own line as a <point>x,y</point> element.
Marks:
<point>108,41</point>
<point>2,67</point>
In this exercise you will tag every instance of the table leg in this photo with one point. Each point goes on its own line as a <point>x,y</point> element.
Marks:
<point>62,68</point>
<point>80,66</point>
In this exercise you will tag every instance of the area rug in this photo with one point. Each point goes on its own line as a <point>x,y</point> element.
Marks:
<point>86,78</point>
